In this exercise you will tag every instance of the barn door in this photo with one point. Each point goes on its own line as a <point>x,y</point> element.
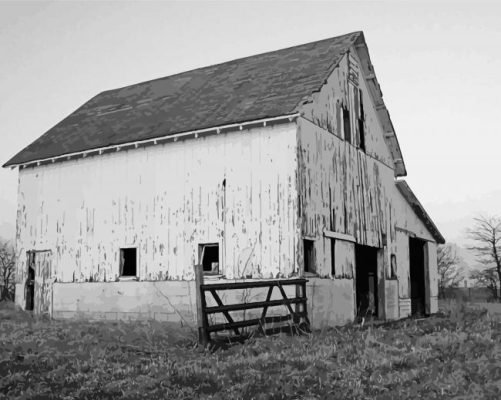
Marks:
<point>41,300</point>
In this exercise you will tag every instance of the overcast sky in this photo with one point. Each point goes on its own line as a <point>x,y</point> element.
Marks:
<point>438,65</point>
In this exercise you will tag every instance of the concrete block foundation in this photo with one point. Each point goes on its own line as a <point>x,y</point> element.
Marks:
<point>172,301</point>
<point>330,301</point>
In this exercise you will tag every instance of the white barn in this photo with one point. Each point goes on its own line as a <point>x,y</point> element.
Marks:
<point>278,165</point>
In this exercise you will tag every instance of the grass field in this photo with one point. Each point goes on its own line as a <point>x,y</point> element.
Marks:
<point>455,355</point>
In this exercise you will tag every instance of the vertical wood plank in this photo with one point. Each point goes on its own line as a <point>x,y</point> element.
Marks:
<point>202,323</point>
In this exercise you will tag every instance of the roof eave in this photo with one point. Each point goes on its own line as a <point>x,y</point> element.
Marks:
<point>418,208</point>
<point>286,118</point>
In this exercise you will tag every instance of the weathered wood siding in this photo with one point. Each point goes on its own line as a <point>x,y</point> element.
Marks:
<point>237,189</point>
<point>325,109</point>
<point>432,277</point>
<point>349,190</point>
<point>43,283</point>
<point>341,188</point>
<point>409,225</point>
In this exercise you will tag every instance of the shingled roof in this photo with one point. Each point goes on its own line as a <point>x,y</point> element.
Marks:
<point>411,198</point>
<point>262,86</point>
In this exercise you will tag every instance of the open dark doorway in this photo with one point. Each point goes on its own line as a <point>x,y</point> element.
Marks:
<point>30,282</point>
<point>366,281</point>
<point>417,276</point>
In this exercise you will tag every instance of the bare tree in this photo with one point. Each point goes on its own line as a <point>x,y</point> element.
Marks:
<point>449,274</point>
<point>487,278</point>
<point>486,232</point>
<point>7,265</point>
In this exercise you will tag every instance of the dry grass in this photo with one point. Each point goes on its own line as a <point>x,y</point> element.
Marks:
<point>449,356</point>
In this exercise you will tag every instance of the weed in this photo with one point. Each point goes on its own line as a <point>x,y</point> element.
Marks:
<point>455,354</point>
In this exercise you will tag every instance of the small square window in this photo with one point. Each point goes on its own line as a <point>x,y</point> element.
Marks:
<point>309,259</point>
<point>209,257</point>
<point>128,262</point>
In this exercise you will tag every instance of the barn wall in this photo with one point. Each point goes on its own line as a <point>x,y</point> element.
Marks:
<point>409,225</point>
<point>408,221</point>
<point>172,301</point>
<point>351,191</point>
<point>237,189</point>
<point>344,191</point>
<point>325,110</point>
<point>336,175</point>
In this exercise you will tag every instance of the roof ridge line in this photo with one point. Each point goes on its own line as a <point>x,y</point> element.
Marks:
<point>253,87</point>
<point>229,61</point>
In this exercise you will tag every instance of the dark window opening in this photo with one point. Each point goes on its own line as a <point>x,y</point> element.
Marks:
<point>393,266</point>
<point>362,133</point>
<point>346,124</point>
<point>128,262</point>
<point>309,260</point>
<point>366,281</point>
<point>209,257</point>
<point>333,257</point>
<point>361,122</point>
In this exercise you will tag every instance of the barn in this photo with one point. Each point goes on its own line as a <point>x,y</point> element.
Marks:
<point>279,165</point>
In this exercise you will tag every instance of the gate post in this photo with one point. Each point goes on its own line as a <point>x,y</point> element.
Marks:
<point>203,336</point>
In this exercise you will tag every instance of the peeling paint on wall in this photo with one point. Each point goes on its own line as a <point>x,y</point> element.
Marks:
<point>236,189</point>
<point>347,185</point>
<point>256,193</point>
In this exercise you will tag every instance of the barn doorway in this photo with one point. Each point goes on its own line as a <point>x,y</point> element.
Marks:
<point>417,276</point>
<point>366,281</point>
<point>30,282</point>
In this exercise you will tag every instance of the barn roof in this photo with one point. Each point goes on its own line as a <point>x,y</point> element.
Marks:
<point>252,88</point>
<point>411,198</point>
